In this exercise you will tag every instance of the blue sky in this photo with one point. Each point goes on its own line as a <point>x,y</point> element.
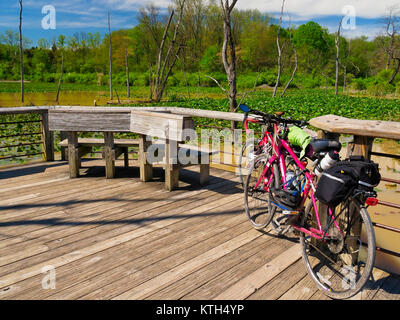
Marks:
<point>91,15</point>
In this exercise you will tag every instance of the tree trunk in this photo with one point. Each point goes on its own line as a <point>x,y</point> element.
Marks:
<point>338,57</point>
<point>396,71</point>
<point>229,66</point>
<point>170,57</point>
<point>110,55</point>
<point>59,80</point>
<point>293,74</point>
<point>278,78</point>
<point>389,58</point>
<point>127,74</point>
<point>21,52</point>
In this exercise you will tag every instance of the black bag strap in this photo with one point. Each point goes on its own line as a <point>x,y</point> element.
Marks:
<point>356,158</point>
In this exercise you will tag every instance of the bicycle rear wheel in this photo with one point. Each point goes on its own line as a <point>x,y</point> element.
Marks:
<point>259,208</point>
<point>342,264</point>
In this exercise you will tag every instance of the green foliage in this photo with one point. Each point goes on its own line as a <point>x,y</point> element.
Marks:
<point>359,84</point>
<point>210,61</point>
<point>378,88</point>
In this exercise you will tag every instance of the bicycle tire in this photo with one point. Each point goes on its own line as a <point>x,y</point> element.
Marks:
<point>243,158</point>
<point>259,215</point>
<point>350,285</point>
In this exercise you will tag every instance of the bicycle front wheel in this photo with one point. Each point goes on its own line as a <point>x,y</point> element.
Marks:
<point>342,263</point>
<point>257,201</point>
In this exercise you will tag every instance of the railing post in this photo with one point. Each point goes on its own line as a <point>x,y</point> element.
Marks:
<point>47,137</point>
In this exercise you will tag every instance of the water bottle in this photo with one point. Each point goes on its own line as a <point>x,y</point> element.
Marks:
<point>291,179</point>
<point>328,161</point>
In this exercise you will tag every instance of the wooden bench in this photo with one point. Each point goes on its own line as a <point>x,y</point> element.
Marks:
<point>86,145</point>
<point>194,156</point>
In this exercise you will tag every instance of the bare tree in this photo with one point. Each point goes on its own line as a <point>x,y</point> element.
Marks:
<point>110,54</point>
<point>229,64</point>
<point>168,52</point>
<point>392,29</point>
<point>61,74</point>
<point>337,43</point>
<point>392,22</point>
<point>296,60</point>
<point>278,78</point>
<point>21,51</point>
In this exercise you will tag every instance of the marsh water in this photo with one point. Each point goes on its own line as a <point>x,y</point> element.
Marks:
<point>66,98</point>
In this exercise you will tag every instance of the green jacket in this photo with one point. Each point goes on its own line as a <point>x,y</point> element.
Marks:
<point>298,137</point>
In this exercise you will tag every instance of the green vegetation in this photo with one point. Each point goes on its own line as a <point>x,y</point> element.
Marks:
<point>365,65</point>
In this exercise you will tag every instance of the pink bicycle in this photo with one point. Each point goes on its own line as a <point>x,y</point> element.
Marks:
<point>338,243</point>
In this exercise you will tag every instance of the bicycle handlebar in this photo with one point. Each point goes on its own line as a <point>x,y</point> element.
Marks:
<point>270,117</point>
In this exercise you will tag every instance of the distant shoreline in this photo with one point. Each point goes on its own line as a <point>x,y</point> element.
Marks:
<point>14,81</point>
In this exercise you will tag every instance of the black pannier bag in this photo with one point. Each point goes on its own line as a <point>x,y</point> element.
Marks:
<point>336,183</point>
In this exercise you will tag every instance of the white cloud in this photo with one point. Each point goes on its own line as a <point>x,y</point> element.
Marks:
<point>313,8</point>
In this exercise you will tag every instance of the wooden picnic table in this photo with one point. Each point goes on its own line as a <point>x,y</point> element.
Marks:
<point>165,126</point>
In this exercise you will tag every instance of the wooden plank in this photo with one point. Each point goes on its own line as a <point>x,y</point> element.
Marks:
<point>156,254</point>
<point>94,121</point>
<point>281,283</point>
<point>368,128</point>
<point>390,289</point>
<point>95,142</point>
<point>160,125</point>
<point>230,275</point>
<point>187,287</point>
<point>303,290</point>
<point>20,110</point>
<point>100,245</point>
<point>188,267</point>
<point>109,154</point>
<point>372,286</point>
<point>146,244</point>
<point>146,268</point>
<point>248,285</point>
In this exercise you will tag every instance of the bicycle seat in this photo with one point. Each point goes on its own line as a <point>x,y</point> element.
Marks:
<point>325,145</point>
<point>279,113</point>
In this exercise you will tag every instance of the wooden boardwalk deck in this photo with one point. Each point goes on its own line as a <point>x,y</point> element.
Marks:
<point>123,239</point>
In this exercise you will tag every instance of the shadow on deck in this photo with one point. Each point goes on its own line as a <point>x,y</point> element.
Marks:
<point>124,239</point>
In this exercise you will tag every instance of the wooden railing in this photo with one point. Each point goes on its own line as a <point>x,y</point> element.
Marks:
<point>7,141</point>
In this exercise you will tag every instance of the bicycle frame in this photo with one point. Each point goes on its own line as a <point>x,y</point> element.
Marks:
<point>309,189</point>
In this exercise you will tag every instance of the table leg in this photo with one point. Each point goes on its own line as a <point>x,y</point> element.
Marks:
<point>204,174</point>
<point>109,154</point>
<point>146,169</point>
<point>171,169</point>
<point>73,155</point>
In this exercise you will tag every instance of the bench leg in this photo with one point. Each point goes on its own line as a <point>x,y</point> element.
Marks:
<point>109,154</point>
<point>171,178</point>
<point>146,169</point>
<point>171,169</point>
<point>204,174</point>
<point>126,158</point>
<point>73,155</point>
